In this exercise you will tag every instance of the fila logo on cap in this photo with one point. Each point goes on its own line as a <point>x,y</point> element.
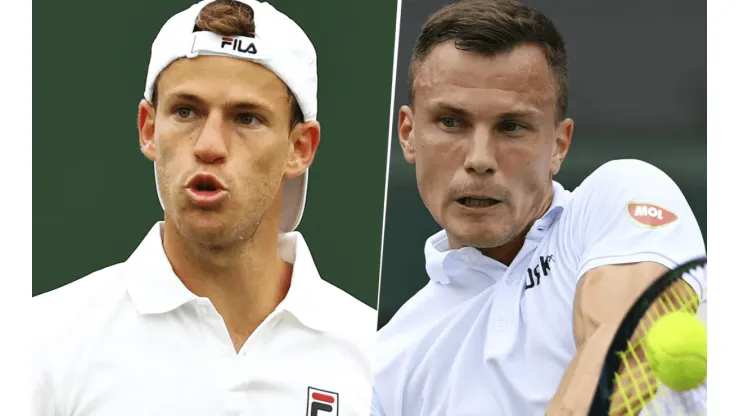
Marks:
<point>238,45</point>
<point>322,403</point>
<point>649,215</point>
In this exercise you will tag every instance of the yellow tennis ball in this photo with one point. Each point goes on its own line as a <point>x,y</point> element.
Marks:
<point>676,349</point>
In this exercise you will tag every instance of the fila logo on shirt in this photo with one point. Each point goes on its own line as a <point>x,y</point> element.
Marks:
<point>322,403</point>
<point>649,215</point>
<point>238,46</point>
<point>535,273</point>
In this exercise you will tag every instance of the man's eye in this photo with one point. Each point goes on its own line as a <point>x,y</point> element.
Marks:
<point>184,112</point>
<point>510,126</point>
<point>449,122</point>
<point>247,119</point>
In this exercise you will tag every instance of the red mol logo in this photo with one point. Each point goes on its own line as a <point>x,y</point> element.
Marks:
<point>322,403</point>
<point>650,215</point>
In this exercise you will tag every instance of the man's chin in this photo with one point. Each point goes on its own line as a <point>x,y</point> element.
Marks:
<point>207,229</point>
<point>481,236</point>
<point>479,242</point>
<point>208,236</point>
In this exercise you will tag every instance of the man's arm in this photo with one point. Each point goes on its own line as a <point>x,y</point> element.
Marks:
<point>603,297</point>
<point>630,223</point>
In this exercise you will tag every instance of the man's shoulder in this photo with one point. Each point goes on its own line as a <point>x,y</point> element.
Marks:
<point>413,321</point>
<point>619,174</point>
<point>349,315</point>
<point>55,311</point>
<point>614,184</point>
<point>83,288</point>
<point>630,211</point>
<point>406,341</point>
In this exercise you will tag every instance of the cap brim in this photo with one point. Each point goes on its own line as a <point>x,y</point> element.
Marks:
<point>294,200</point>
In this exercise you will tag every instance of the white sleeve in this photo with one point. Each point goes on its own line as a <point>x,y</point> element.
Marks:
<point>630,211</point>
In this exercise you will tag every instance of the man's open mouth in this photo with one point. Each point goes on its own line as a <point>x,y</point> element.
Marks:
<point>477,202</point>
<point>205,186</point>
<point>205,183</point>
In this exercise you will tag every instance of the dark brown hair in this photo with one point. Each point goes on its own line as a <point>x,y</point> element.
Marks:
<point>234,18</point>
<point>490,27</point>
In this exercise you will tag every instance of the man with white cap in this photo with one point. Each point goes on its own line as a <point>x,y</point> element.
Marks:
<point>220,310</point>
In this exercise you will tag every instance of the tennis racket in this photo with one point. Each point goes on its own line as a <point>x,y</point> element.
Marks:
<point>628,385</point>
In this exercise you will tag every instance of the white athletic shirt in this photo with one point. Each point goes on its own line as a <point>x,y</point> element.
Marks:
<point>482,338</point>
<point>131,339</point>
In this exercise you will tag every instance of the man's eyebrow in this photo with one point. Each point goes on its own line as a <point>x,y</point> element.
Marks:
<point>521,113</point>
<point>449,108</point>
<point>236,105</point>
<point>183,96</point>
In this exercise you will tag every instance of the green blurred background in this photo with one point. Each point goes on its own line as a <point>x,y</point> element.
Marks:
<point>93,191</point>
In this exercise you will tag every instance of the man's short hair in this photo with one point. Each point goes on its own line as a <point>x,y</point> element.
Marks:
<point>234,18</point>
<point>490,27</point>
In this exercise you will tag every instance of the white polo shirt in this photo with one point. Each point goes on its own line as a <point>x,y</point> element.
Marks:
<point>131,339</point>
<point>482,338</point>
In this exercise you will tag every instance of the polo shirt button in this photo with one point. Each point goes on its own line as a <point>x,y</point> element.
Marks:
<point>201,311</point>
<point>500,325</point>
<point>465,258</point>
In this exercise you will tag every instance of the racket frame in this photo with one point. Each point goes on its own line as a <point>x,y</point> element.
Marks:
<point>605,388</point>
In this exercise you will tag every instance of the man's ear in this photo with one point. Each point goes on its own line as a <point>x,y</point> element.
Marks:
<point>563,135</point>
<point>304,139</point>
<point>406,133</point>
<point>146,119</point>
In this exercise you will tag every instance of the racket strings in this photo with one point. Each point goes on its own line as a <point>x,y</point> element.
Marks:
<point>635,385</point>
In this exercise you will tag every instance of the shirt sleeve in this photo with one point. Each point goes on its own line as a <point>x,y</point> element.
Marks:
<point>630,212</point>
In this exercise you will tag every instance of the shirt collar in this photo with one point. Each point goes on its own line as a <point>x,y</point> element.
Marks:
<point>152,284</point>
<point>306,299</point>
<point>155,288</point>
<point>443,263</point>
<point>560,198</point>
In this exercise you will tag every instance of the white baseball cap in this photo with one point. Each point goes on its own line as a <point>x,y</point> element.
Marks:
<point>279,44</point>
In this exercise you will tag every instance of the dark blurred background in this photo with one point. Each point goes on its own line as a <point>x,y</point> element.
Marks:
<point>93,191</point>
<point>637,90</point>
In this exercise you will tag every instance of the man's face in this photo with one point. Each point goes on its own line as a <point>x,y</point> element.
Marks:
<point>222,140</point>
<point>485,140</point>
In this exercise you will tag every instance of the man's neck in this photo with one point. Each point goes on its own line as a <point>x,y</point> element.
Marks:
<point>245,283</point>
